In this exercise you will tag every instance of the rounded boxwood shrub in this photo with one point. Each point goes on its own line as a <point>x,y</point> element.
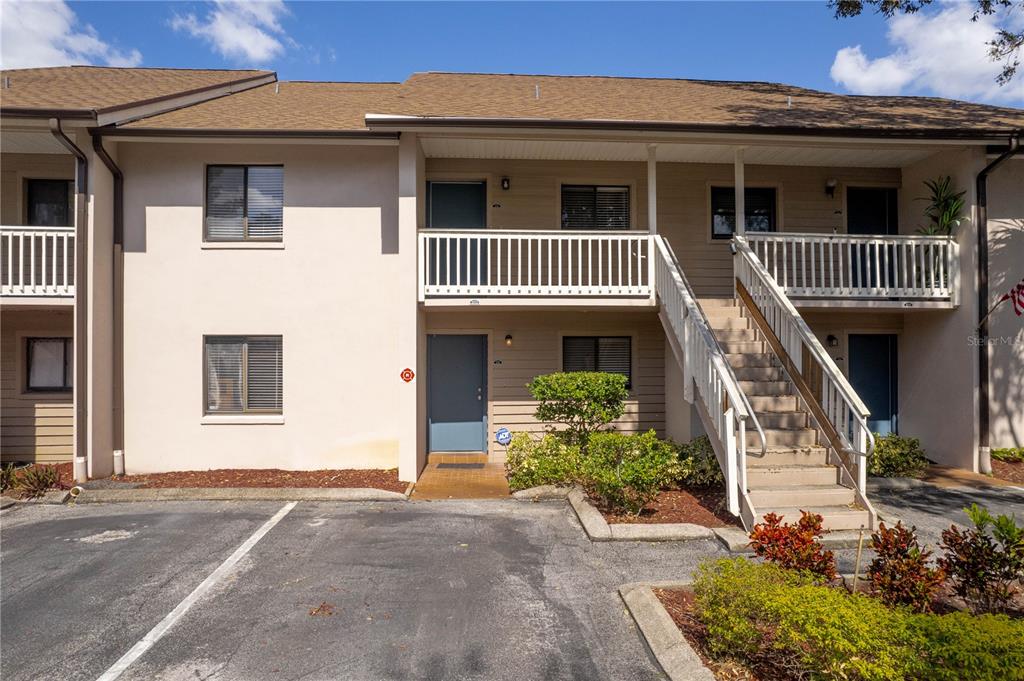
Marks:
<point>896,456</point>
<point>549,460</point>
<point>582,401</point>
<point>628,471</point>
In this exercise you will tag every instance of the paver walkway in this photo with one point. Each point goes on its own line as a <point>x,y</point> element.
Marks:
<point>461,476</point>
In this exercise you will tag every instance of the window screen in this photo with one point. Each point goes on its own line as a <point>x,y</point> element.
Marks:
<point>50,365</point>
<point>49,203</point>
<point>759,210</point>
<point>243,374</point>
<point>244,203</point>
<point>595,207</point>
<point>612,354</point>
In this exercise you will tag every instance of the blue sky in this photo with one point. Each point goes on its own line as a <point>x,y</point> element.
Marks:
<point>937,52</point>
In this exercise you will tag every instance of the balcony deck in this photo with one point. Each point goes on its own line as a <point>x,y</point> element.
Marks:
<point>37,265</point>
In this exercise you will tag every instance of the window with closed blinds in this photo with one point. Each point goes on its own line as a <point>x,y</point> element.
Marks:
<point>244,203</point>
<point>595,207</point>
<point>50,364</point>
<point>243,374</point>
<point>759,210</point>
<point>611,354</point>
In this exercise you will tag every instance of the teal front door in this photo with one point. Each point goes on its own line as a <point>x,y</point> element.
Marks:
<point>873,362</point>
<point>457,393</point>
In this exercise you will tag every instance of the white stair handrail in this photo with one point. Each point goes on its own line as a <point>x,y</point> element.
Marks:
<point>705,361</point>
<point>840,401</point>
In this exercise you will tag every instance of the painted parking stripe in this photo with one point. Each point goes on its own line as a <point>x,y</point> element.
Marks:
<point>157,632</point>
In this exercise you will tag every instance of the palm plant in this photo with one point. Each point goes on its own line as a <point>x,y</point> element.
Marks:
<point>945,207</point>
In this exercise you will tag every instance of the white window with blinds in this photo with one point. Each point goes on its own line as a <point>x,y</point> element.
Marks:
<point>243,374</point>
<point>611,354</point>
<point>587,206</point>
<point>244,203</point>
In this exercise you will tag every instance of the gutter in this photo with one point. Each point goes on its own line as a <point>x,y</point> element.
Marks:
<point>81,338</point>
<point>117,335</point>
<point>984,452</point>
<point>243,133</point>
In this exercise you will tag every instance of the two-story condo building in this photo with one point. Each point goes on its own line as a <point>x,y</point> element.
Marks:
<point>215,269</point>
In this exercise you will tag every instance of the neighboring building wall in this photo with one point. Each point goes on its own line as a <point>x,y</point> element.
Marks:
<point>33,426</point>
<point>937,357</point>
<point>330,291</point>
<point>16,168</point>
<point>684,200</point>
<point>537,349</point>
<point>1006,329</point>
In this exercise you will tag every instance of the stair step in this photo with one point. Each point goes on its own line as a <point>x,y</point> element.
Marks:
<point>765,404</point>
<point>770,388</point>
<point>783,419</point>
<point>751,360</point>
<point>791,476</point>
<point>787,456</point>
<point>833,517</point>
<point>801,496</point>
<point>737,335</point>
<point>716,302</point>
<point>744,347</point>
<point>759,373</point>
<point>719,323</point>
<point>775,437</point>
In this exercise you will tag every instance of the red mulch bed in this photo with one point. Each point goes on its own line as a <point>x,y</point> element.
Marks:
<point>271,477</point>
<point>696,505</point>
<point>1011,472</point>
<point>66,471</point>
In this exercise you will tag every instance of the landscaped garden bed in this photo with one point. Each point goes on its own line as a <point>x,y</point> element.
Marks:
<point>35,480</point>
<point>1008,464</point>
<point>699,506</point>
<point>271,477</point>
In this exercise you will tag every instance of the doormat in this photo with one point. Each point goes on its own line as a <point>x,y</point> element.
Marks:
<point>460,465</point>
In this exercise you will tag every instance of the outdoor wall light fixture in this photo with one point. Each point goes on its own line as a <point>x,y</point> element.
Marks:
<point>506,184</point>
<point>830,187</point>
<point>832,341</point>
<point>508,340</point>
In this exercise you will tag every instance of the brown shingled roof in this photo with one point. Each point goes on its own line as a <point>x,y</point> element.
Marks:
<point>577,99</point>
<point>103,89</point>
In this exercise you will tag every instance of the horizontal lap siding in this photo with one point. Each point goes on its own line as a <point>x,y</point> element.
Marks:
<point>33,427</point>
<point>536,350</point>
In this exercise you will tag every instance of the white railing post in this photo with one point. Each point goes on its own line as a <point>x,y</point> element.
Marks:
<point>731,483</point>
<point>35,257</point>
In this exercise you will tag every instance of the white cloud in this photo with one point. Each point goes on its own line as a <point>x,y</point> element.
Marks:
<point>49,34</point>
<point>241,31</point>
<point>942,53</point>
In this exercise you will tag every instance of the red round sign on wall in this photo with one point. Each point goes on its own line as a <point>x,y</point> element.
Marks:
<point>407,374</point>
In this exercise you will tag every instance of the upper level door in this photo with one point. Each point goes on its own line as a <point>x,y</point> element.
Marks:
<point>872,210</point>
<point>457,205</point>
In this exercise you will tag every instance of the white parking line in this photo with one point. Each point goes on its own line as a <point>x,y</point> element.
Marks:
<point>154,635</point>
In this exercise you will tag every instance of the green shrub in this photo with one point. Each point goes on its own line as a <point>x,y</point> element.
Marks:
<point>962,646</point>
<point>7,479</point>
<point>1009,454</point>
<point>896,456</point>
<point>547,461</point>
<point>582,401</point>
<point>698,465</point>
<point>984,566</point>
<point>626,472</point>
<point>34,481</point>
<point>899,573</point>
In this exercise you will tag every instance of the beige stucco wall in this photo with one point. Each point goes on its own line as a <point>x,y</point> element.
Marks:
<point>537,349</point>
<point>331,292</point>
<point>16,168</point>
<point>1006,269</point>
<point>34,426</point>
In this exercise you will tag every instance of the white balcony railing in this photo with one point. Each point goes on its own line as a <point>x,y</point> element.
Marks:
<point>493,263</point>
<point>900,267</point>
<point>37,261</point>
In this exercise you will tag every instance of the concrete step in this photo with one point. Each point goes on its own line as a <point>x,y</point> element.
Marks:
<point>737,335</point>
<point>765,387</point>
<point>457,457</point>
<point>791,476</point>
<point>751,360</point>
<point>770,404</point>
<point>795,437</point>
<point>833,517</point>
<point>801,496</point>
<point>759,373</point>
<point>744,347</point>
<point>719,323</point>
<point>786,456</point>
<point>784,419</point>
<point>716,302</point>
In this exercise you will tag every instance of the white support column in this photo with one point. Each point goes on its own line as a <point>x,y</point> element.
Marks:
<point>652,188</point>
<point>410,413</point>
<point>741,203</point>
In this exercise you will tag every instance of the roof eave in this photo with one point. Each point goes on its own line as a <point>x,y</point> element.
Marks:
<point>126,132</point>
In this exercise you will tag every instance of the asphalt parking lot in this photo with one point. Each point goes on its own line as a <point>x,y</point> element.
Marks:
<point>420,590</point>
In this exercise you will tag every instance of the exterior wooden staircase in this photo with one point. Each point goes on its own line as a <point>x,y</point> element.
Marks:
<point>794,474</point>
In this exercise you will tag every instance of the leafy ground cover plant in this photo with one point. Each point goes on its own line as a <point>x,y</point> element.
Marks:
<point>34,481</point>
<point>698,465</point>
<point>985,563</point>
<point>549,460</point>
<point>896,456</point>
<point>794,546</point>
<point>1009,454</point>
<point>899,573</point>
<point>582,401</point>
<point>627,471</point>
<point>6,477</point>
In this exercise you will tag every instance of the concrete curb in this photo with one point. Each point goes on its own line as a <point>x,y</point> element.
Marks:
<point>54,497</point>
<point>542,493</point>
<point>7,502</point>
<point>598,529</point>
<point>102,496</point>
<point>733,539</point>
<point>674,654</point>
